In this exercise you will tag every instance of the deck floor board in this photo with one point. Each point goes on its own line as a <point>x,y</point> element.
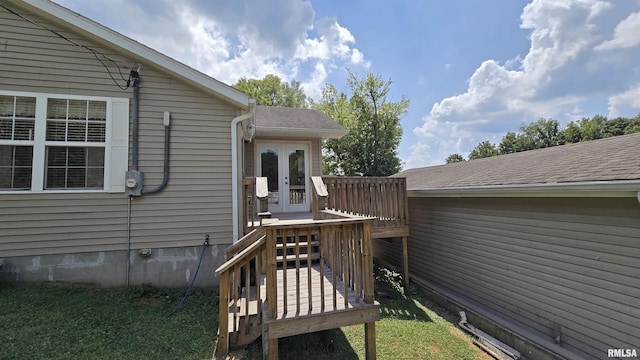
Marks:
<point>311,305</point>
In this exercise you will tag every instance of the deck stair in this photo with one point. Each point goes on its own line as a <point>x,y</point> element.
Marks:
<point>293,277</point>
<point>288,279</point>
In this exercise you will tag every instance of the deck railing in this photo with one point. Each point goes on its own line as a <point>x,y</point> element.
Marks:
<point>344,246</point>
<point>381,197</point>
<point>339,251</point>
<point>249,208</point>
<point>240,275</point>
<point>255,202</point>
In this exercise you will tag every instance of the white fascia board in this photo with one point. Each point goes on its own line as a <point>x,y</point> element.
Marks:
<point>300,132</point>
<point>95,31</point>
<point>630,188</point>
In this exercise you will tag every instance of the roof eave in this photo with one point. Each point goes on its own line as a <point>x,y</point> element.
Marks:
<point>121,43</point>
<point>300,132</point>
<point>619,188</point>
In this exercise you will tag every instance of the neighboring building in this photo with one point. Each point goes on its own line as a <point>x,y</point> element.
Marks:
<point>68,134</point>
<point>543,243</point>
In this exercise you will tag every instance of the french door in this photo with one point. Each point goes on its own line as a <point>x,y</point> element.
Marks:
<point>286,167</point>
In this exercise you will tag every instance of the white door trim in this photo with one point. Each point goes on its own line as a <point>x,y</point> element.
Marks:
<point>284,194</point>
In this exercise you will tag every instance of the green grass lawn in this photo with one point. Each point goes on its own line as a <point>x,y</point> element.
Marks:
<point>44,321</point>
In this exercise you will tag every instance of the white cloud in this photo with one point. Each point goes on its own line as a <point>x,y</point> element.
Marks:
<point>546,82</point>
<point>314,86</point>
<point>235,39</point>
<point>624,103</point>
<point>625,35</point>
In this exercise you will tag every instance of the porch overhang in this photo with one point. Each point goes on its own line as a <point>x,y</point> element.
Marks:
<point>286,132</point>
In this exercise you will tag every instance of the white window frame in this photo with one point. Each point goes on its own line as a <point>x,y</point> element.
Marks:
<point>116,145</point>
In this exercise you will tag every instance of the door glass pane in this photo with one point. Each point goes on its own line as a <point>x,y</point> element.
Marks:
<point>269,166</point>
<point>297,177</point>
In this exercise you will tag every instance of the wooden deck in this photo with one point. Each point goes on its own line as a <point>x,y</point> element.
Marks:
<point>297,273</point>
<point>322,296</point>
<point>301,312</point>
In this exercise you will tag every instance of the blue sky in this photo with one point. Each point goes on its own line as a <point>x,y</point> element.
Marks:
<point>473,70</point>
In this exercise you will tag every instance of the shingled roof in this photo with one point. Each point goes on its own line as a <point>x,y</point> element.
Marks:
<point>275,120</point>
<point>615,159</point>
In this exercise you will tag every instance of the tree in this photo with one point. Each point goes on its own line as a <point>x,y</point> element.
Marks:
<point>371,147</point>
<point>483,150</point>
<point>508,145</point>
<point>336,106</point>
<point>592,129</point>
<point>454,158</point>
<point>634,126</point>
<point>272,91</point>
<point>616,127</point>
<point>571,133</point>
<point>540,134</point>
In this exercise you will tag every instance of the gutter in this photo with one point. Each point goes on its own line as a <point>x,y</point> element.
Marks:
<point>300,132</point>
<point>234,163</point>
<point>616,188</point>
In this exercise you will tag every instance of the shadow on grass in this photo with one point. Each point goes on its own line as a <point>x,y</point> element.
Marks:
<point>330,344</point>
<point>394,302</point>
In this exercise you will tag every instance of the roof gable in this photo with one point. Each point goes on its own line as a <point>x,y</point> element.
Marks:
<point>105,36</point>
<point>275,120</point>
<point>604,160</point>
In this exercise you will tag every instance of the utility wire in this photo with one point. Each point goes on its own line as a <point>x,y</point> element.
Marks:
<point>95,53</point>
<point>151,325</point>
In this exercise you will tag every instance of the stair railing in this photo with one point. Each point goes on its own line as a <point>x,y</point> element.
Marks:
<point>344,246</point>
<point>242,272</point>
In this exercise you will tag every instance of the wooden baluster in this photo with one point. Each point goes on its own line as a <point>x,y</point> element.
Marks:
<point>345,264</point>
<point>297,248</point>
<point>285,295</point>
<point>309,287</point>
<point>334,265</point>
<point>247,293</point>
<point>236,297</point>
<point>358,261</point>
<point>323,254</point>
<point>258,276</point>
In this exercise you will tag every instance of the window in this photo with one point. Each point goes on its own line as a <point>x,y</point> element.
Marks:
<point>17,121</point>
<point>51,142</point>
<point>71,126</point>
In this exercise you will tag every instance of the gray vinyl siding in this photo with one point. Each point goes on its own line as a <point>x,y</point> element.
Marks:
<point>537,262</point>
<point>197,200</point>
<point>388,252</point>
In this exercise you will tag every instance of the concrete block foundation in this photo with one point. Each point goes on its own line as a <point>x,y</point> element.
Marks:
<point>166,267</point>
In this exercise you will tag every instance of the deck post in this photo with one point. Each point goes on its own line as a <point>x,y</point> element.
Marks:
<point>271,279</point>
<point>405,263</point>
<point>367,259</point>
<point>370,340</point>
<point>269,346</point>
<point>223,315</point>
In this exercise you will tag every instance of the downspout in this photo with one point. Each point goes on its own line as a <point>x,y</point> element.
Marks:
<point>234,163</point>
